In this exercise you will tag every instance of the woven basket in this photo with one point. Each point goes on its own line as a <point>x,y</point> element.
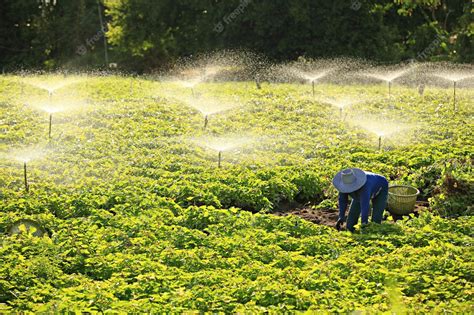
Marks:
<point>402,199</point>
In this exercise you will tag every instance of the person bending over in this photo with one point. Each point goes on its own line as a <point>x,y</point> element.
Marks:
<point>362,187</point>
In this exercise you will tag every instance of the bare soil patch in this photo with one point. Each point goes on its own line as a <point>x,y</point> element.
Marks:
<point>329,216</point>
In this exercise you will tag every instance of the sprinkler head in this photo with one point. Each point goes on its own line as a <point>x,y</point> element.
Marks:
<point>206,121</point>
<point>380,142</point>
<point>219,159</point>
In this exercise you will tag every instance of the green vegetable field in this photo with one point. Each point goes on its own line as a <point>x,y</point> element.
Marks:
<point>145,210</point>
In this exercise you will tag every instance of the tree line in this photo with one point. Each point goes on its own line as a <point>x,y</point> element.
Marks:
<point>141,35</point>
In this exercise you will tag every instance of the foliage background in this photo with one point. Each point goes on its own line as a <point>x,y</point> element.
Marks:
<point>141,220</point>
<point>145,35</point>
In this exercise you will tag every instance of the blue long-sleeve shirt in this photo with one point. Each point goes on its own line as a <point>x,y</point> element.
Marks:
<point>375,183</point>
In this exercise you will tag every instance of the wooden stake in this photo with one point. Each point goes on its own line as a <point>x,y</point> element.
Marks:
<point>27,187</point>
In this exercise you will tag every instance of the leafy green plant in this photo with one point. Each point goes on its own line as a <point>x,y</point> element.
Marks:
<point>139,219</point>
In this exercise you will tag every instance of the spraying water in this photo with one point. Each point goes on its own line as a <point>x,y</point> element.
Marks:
<point>24,156</point>
<point>27,154</point>
<point>210,106</point>
<point>388,76</point>
<point>342,102</point>
<point>53,106</point>
<point>222,144</point>
<point>231,65</point>
<point>454,77</point>
<point>50,83</point>
<point>382,129</point>
<point>205,105</point>
<point>311,76</point>
<point>190,78</point>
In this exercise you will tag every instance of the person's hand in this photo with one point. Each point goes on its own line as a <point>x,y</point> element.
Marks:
<point>339,223</point>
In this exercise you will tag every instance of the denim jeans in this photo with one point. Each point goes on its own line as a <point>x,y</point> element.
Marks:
<point>379,202</point>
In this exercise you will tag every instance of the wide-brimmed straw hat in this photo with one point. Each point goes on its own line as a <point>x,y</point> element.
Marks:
<point>349,180</point>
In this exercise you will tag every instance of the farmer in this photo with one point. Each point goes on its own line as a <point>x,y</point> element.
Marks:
<point>362,187</point>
